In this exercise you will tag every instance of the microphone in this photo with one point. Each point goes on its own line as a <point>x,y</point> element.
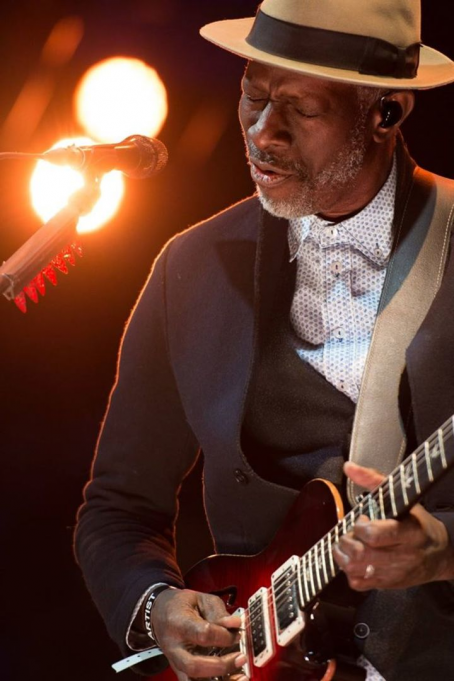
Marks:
<point>137,156</point>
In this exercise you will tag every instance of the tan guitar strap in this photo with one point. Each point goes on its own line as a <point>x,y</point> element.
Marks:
<point>413,278</point>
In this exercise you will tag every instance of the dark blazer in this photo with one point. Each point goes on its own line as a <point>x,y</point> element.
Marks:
<point>186,361</point>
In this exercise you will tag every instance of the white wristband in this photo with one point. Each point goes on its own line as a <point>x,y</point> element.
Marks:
<point>130,661</point>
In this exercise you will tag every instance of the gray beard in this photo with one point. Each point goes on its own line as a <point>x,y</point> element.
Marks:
<point>340,173</point>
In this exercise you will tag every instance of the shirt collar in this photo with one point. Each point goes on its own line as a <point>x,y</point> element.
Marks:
<point>375,242</point>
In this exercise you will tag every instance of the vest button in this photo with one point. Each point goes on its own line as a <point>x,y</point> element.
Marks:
<point>241,477</point>
<point>361,630</point>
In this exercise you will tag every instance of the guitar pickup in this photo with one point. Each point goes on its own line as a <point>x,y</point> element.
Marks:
<point>288,616</point>
<point>260,627</point>
<point>241,612</point>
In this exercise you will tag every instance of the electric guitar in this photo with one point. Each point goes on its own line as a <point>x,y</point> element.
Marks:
<point>277,596</point>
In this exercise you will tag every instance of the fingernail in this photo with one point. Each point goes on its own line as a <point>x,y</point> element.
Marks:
<point>240,660</point>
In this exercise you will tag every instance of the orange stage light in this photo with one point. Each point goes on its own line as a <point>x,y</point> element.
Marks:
<point>119,97</point>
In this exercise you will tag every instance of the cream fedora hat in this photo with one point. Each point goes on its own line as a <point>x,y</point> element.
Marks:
<point>368,42</point>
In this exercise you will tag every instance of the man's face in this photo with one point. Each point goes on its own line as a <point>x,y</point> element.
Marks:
<point>306,139</point>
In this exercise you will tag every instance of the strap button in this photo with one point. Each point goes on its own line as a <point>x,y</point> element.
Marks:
<point>361,630</point>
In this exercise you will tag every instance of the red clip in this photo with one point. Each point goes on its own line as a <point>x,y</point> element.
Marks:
<point>21,302</point>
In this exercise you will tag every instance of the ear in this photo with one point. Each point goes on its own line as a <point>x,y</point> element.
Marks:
<point>405,99</point>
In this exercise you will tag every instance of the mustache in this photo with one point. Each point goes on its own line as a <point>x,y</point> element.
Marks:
<point>274,160</point>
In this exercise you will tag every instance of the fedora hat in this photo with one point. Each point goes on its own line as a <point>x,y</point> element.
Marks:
<point>367,42</point>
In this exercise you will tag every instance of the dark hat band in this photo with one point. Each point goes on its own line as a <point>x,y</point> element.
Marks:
<point>363,54</point>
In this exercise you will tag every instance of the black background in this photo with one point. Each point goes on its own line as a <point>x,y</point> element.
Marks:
<point>58,361</point>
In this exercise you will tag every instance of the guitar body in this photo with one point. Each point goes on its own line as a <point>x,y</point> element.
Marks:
<point>236,578</point>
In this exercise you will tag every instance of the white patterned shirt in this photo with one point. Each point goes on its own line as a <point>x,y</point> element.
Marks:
<point>341,269</point>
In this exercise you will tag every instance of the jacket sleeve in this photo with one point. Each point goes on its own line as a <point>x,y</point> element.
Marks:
<point>124,540</point>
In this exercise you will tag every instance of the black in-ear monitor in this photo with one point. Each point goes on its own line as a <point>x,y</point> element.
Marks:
<point>391,112</point>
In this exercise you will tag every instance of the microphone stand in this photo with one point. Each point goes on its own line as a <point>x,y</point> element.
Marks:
<point>37,252</point>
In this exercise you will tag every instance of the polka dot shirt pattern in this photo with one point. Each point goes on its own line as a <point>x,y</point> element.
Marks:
<point>341,269</point>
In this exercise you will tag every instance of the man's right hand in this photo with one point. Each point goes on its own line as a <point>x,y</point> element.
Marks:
<point>186,622</point>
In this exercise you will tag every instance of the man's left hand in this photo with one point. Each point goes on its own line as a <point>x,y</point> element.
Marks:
<point>393,554</point>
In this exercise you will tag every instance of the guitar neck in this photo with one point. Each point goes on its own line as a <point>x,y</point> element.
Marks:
<point>391,499</point>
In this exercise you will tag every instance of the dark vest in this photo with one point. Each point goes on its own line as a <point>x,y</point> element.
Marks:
<point>296,424</point>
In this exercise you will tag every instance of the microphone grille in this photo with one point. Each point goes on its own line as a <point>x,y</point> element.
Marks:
<point>153,156</point>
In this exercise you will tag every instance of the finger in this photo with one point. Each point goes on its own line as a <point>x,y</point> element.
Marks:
<point>362,584</point>
<point>368,478</point>
<point>357,573</point>
<point>206,634</point>
<point>206,666</point>
<point>352,568</point>
<point>181,676</point>
<point>351,548</point>
<point>229,622</point>
<point>377,534</point>
<point>213,609</point>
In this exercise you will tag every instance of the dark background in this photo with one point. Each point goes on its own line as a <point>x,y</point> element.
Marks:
<point>58,361</point>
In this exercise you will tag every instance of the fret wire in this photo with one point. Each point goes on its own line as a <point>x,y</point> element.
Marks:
<point>317,568</point>
<point>393,498</point>
<point>415,473</point>
<point>306,589</point>
<point>381,502</point>
<point>325,573</point>
<point>451,423</point>
<point>444,463</point>
<point>330,554</point>
<point>311,576</point>
<point>428,461</point>
<point>371,508</point>
<point>360,508</point>
<point>403,483</point>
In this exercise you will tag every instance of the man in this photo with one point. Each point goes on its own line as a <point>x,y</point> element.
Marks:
<point>252,342</point>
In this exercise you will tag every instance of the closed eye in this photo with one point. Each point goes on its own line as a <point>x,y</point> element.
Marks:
<point>255,99</point>
<point>307,114</point>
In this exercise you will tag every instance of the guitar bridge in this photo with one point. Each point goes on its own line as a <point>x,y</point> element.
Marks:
<point>288,616</point>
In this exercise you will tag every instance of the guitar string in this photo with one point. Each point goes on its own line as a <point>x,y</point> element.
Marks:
<point>419,455</point>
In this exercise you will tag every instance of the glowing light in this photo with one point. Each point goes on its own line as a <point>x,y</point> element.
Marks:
<point>51,186</point>
<point>119,97</point>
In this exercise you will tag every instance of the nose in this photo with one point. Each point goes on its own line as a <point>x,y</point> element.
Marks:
<point>269,129</point>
